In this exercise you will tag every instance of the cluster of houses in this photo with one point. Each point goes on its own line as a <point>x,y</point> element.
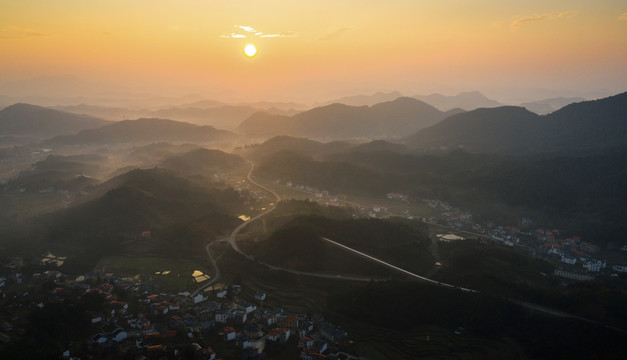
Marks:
<point>571,252</point>
<point>331,199</point>
<point>156,323</point>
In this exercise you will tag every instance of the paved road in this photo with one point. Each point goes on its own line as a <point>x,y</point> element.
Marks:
<point>232,241</point>
<point>244,224</point>
<point>215,265</point>
<point>396,267</point>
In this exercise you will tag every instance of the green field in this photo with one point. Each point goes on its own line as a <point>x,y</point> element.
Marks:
<point>145,268</point>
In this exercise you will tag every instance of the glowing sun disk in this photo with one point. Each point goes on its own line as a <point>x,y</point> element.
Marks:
<point>250,50</point>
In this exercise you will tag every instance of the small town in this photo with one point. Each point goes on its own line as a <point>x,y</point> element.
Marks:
<point>135,320</point>
<point>574,258</point>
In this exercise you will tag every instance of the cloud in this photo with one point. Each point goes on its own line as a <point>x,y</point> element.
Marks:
<point>233,36</point>
<point>283,34</point>
<point>249,29</point>
<point>14,32</point>
<point>525,20</point>
<point>255,32</point>
<point>623,16</point>
<point>335,35</point>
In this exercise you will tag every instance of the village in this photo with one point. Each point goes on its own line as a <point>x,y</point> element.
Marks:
<point>136,319</point>
<point>575,259</point>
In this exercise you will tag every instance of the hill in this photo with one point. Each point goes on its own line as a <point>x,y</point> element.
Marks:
<point>297,245</point>
<point>224,117</point>
<point>297,145</point>
<point>585,127</point>
<point>104,112</point>
<point>143,131</point>
<point>339,121</point>
<point>336,177</point>
<point>58,173</point>
<point>139,200</point>
<point>204,161</point>
<point>32,120</point>
<point>581,193</point>
<point>547,106</point>
<point>365,100</point>
<point>466,100</point>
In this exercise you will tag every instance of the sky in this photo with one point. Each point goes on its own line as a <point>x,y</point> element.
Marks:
<point>314,50</point>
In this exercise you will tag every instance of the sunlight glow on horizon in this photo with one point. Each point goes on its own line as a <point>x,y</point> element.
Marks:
<point>308,48</point>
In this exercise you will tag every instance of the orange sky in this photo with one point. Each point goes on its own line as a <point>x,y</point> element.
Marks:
<point>320,49</point>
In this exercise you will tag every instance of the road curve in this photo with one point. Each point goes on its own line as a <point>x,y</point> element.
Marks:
<point>215,265</point>
<point>244,224</point>
<point>233,244</point>
<point>396,267</point>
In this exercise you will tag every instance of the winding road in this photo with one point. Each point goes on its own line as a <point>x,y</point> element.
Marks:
<point>232,241</point>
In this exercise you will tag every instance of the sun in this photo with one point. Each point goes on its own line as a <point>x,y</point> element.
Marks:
<point>250,50</point>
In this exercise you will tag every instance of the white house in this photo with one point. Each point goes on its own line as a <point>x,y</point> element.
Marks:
<point>569,260</point>
<point>229,333</point>
<point>222,316</point>
<point>620,268</point>
<point>119,334</point>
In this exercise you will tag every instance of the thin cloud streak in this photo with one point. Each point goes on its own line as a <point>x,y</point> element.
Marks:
<point>249,29</point>
<point>257,33</point>
<point>623,16</point>
<point>13,32</point>
<point>538,17</point>
<point>335,35</point>
<point>283,34</point>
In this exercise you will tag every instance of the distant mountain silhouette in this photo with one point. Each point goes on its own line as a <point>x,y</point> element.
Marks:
<point>466,100</point>
<point>203,161</point>
<point>220,115</point>
<point>58,173</point>
<point>224,117</point>
<point>105,112</point>
<point>368,100</point>
<point>277,106</point>
<point>32,120</point>
<point>144,130</point>
<point>547,106</point>
<point>379,145</point>
<point>339,121</point>
<point>297,145</point>
<point>585,127</point>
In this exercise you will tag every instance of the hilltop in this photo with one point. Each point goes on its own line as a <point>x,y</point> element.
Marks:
<point>144,130</point>
<point>584,127</point>
<point>338,121</point>
<point>31,120</point>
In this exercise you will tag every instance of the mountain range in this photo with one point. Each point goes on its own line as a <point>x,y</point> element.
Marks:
<point>469,100</point>
<point>144,130</point>
<point>584,127</point>
<point>547,106</point>
<point>31,120</point>
<point>338,121</point>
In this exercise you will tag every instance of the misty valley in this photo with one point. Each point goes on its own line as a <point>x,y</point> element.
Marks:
<point>368,227</point>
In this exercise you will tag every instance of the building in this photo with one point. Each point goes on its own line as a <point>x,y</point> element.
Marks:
<point>572,275</point>
<point>229,333</point>
<point>569,260</point>
<point>259,295</point>
<point>620,268</point>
